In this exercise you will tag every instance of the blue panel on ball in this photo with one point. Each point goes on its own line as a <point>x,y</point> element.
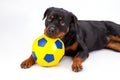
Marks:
<point>42,42</point>
<point>58,44</point>
<point>49,58</point>
<point>34,56</point>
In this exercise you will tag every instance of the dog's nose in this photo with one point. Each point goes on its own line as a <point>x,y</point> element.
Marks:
<point>51,30</point>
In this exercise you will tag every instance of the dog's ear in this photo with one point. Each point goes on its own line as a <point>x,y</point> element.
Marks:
<point>47,12</point>
<point>74,20</point>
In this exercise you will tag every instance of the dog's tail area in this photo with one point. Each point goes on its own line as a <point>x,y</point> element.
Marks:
<point>113,28</point>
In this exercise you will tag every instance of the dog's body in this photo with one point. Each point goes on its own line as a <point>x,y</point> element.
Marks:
<point>80,37</point>
<point>93,35</point>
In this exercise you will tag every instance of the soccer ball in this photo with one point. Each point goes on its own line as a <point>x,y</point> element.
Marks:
<point>47,51</point>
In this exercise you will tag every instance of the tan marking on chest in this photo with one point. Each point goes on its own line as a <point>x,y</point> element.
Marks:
<point>72,47</point>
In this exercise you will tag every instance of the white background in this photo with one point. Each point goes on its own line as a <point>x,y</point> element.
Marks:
<point>21,22</point>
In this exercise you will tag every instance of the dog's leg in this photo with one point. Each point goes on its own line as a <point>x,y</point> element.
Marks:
<point>28,62</point>
<point>77,64</point>
<point>77,61</point>
<point>114,38</point>
<point>113,45</point>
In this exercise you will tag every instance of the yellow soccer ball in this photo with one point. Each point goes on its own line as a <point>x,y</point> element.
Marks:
<point>47,51</point>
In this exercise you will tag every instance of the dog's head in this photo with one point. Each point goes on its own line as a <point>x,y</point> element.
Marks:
<point>58,22</point>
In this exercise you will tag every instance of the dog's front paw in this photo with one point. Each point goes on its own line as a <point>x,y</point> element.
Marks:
<point>76,66</point>
<point>27,63</point>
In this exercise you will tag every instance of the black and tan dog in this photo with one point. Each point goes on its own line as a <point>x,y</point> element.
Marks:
<point>80,37</point>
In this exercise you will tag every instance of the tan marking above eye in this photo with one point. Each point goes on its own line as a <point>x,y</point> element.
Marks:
<point>60,18</point>
<point>52,17</point>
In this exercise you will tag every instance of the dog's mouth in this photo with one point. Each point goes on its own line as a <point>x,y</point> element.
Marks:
<point>53,33</point>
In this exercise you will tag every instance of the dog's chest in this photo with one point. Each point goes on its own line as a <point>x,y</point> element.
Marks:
<point>70,41</point>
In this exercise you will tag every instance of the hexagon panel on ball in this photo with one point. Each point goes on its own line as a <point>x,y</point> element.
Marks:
<point>49,58</point>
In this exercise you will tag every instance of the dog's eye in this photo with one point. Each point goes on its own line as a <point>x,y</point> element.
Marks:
<point>49,20</point>
<point>62,23</point>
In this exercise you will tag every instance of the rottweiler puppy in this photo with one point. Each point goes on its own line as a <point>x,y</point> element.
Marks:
<point>80,37</point>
